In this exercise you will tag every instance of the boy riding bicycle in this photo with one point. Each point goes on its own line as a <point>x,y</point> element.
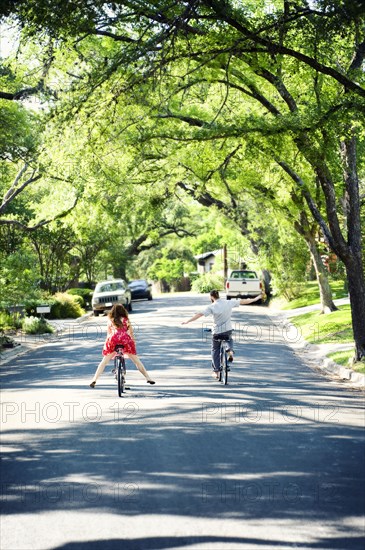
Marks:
<point>221,311</point>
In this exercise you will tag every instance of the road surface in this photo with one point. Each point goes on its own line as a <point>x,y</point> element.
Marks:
<point>273,460</point>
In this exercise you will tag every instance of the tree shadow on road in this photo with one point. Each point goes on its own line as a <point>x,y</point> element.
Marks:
<point>268,447</point>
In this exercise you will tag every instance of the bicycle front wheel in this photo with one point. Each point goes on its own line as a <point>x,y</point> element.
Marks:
<point>121,378</point>
<point>225,369</point>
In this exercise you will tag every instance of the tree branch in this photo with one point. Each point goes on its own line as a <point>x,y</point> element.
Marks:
<point>272,47</point>
<point>189,120</point>
<point>13,192</point>
<point>40,224</point>
<point>310,202</point>
<point>117,37</point>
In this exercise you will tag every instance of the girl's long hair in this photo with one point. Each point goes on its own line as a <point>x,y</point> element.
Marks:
<point>117,313</point>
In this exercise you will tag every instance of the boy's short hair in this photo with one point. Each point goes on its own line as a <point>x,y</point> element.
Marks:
<point>214,294</point>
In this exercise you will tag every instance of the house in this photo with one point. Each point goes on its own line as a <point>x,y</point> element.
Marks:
<point>206,261</point>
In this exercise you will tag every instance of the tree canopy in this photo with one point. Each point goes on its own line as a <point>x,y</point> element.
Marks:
<point>255,109</point>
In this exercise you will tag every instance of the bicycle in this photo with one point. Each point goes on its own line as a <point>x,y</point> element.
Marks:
<point>223,361</point>
<point>120,368</point>
<point>223,358</point>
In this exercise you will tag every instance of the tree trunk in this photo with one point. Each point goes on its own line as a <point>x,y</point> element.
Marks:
<point>325,291</point>
<point>356,282</point>
<point>307,231</point>
<point>353,258</point>
<point>120,272</point>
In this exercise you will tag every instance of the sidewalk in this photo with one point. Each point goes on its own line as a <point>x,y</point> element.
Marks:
<point>28,342</point>
<point>315,355</point>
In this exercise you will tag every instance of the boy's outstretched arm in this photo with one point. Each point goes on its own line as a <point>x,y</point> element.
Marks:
<point>247,301</point>
<point>194,318</point>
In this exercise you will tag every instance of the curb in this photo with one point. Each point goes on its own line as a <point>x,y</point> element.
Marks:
<point>323,364</point>
<point>356,378</point>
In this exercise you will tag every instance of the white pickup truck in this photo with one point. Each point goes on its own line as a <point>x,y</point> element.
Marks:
<point>243,283</point>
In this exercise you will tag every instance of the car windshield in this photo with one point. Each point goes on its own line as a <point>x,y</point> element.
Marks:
<point>243,275</point>
<point>109,287</point>
<point>141,282</point>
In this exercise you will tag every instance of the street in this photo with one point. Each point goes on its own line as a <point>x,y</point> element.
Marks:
<point>276,459</point>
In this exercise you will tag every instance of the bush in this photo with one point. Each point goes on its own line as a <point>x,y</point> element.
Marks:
<point>66,306</point>
<point>9,321</point>
<point>207,282</point>
<point>31,305</point>
<point>84,293</point>
<point>36,325</point>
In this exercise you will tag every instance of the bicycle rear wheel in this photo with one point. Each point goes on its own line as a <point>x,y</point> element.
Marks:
<point>221,361</point>
<point>224,364</point>
<point>225,367</point>
<point>120,374</point>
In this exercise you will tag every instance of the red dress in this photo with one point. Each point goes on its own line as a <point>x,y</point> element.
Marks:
<point>118,335</point>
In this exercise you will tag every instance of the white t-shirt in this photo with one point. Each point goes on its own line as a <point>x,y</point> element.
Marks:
<point>222,312</point>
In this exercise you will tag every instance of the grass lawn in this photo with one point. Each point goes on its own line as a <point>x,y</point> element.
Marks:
<point>342,358</point>
<point>333,327</point>
<point>310,294</point>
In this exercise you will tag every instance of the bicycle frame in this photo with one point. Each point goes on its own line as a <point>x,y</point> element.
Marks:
<point>223,358</point>
<point>120,368</point>
<point>223,361</point>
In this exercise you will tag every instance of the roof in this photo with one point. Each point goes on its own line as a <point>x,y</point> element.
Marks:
<point>207,254</point>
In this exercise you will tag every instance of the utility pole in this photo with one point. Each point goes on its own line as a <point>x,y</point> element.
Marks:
<point>225,263</point>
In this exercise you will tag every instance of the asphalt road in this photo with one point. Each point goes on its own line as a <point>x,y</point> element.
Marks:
<point>273,460</point>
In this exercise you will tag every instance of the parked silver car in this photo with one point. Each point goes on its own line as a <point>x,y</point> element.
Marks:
<point>108,293</point>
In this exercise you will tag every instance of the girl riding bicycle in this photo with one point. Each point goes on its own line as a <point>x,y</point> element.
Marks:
<point>119,331</point>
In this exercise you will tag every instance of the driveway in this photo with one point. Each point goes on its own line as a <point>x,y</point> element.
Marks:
<point>273,460</point>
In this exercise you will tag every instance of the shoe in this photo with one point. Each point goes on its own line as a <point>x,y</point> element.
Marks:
<point>92,385</point>
<point>151,382</point>
<point>215,374</point>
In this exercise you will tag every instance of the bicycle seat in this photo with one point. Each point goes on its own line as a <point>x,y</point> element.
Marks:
<point>118,348</point>
<point>223,338</point>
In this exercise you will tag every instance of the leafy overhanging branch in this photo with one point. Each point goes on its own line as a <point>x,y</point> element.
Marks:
<point>16,189</point>
<point>137,246</point>
<point>225,14</point>
<point>27,228</point>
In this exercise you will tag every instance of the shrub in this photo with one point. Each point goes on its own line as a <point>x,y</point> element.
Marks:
<point>207,282</point>
<point>66,306</point>
<point>31,305</point>
<point>9,321</point>
<point>36,325</point>
<point>84,293</point>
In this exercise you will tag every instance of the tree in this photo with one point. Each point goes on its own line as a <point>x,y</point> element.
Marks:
<point>223,71</point>
<point>53,246</point>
